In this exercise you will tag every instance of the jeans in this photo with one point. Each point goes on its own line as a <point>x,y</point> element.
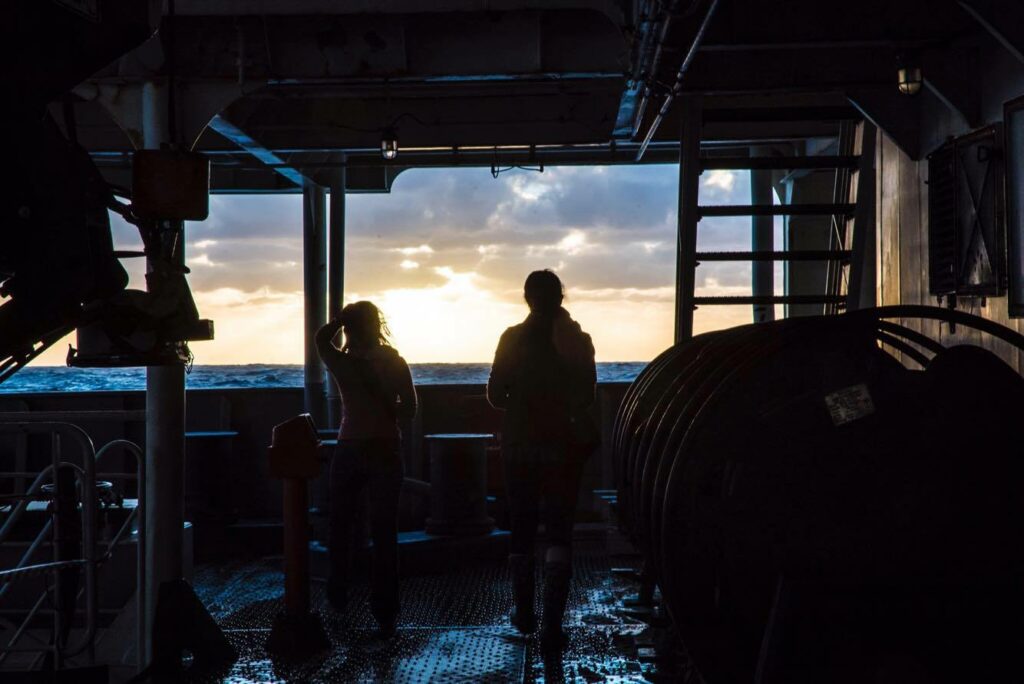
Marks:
<point>541,477</point>
<point>360,468</point>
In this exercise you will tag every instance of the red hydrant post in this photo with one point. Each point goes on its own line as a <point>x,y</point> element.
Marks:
<point>293,459</point>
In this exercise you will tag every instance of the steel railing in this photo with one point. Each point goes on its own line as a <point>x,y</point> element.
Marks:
<point>91,559</point>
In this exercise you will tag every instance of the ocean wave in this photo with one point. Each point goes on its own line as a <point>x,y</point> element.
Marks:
<point>60,379</point>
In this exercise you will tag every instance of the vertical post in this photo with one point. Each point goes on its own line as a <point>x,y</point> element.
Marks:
<point>686,246</point>
<point>296,633</point>
<point>335,280</point>
<point>59,533</point>
<point>165,423</point>
<point>314,272</point>
<point>762,239</point>
<point>296,547</point>
<point>861,288</point>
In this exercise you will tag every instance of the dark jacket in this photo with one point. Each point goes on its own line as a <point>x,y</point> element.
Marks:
<point>544,378</point>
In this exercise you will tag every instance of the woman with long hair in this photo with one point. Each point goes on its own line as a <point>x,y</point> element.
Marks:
<point>544,379</point>
<point>377,397</point>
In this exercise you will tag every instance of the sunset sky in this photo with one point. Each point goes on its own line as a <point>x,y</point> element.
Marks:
<point>445,253</point>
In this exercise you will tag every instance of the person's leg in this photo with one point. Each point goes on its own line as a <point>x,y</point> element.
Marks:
<point>386,474</point>
<point>561,478</point>
<point>346,483</point>
<point>521,487</point>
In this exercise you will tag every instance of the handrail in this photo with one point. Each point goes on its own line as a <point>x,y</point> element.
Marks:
<point>8,576</point>
<point>87,480</point>
<point>19,509</point>
<point>136,515</point>
<point>139,514</point>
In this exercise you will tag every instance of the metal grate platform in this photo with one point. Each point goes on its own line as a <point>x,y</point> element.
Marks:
<point>412,656</point>
<point>453,628</point>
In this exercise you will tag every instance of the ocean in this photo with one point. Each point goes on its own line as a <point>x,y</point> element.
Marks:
<point>61,379</point>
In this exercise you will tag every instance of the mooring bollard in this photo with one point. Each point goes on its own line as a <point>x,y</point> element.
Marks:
<point>458,484</point>
<point>293,459</point>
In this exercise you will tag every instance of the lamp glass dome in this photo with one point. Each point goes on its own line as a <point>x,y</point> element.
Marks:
<point>389,146</point>
<point>909,79</point>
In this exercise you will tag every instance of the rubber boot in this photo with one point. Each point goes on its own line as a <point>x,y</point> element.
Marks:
<point>557,576</point>
<point>523,617</point>
<point>385,605</point>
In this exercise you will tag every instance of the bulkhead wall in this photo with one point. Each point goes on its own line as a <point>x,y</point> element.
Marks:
<point>902,204</point>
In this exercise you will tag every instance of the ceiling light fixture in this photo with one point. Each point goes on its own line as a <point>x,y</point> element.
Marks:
<point>908,75</point>
<point>389,144</point>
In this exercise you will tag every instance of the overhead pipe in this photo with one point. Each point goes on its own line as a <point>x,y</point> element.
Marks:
<point>762,237</point>
<point>314,276</point>
<point>647,57</point>
<point>335,279</point>
<point>678,87</point>
<point>647,64</point>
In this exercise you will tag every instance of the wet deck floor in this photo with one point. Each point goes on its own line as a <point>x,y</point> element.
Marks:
<point>453,628</point>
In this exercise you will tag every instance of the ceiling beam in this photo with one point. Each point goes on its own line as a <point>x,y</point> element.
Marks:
<point>812,70</point>
<point>895,114</point>
<point>256,149</point>
<point>236,8</point>
<point>1004,21</point>
<point>466,46</point>
<point>950,76</point>
<point>801,45</point>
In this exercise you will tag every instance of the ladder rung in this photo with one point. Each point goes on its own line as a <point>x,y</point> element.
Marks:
<point>775,209</point>
<point>802,255</point>
<point>781,163</point>
<point>772,299</point>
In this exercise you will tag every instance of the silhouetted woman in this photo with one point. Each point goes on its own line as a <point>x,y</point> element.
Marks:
<point>543,378</point>
<point>377,397</point>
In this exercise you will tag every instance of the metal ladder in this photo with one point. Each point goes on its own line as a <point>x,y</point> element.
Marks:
<point>851,212</point>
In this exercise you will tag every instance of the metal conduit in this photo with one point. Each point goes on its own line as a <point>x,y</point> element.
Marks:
<point>795,488</point>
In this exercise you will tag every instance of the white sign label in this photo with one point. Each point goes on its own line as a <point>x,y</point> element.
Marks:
<point>849,404</point>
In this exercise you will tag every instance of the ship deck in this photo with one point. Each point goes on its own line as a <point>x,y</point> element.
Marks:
<point>453,628</point>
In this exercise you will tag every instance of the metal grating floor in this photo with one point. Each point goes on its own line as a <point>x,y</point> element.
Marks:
<point>453,628</point>
<point>412,656</point>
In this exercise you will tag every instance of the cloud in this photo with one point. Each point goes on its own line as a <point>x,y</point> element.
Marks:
<point>448,246</point>
<point>721,186</point>
<point>721,179</point>
<point>572,243</point>
<point>203,260</point>
<point>412,251</point>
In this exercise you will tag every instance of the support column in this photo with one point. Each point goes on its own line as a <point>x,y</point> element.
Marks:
<point>314,272</point>
<point>165,424</point>
<point>335,281</point>
<point>689,183</point>
<point>762,238</point>
<point>861,291</point>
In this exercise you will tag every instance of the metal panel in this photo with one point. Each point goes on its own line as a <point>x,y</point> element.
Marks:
<point>1014,155</point>
<point>966,214</point>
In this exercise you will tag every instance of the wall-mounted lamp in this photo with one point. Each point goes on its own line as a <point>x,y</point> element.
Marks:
<point>908,75</point>
<point>389,144</point>
<point>909,80</point>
